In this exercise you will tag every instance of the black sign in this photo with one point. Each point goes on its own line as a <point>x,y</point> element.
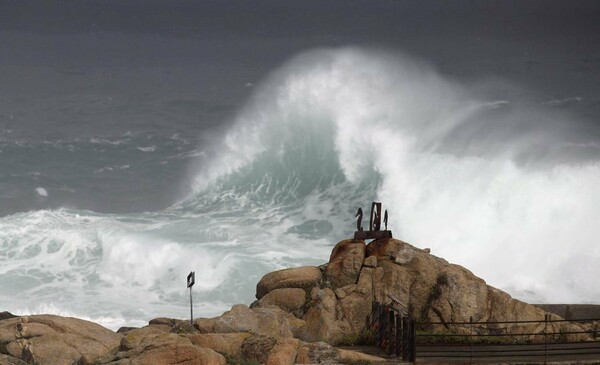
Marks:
<point>191,279</point>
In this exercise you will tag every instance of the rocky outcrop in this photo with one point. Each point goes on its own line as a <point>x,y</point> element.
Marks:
<point>145,346</point>
<point>298,277</point>
<point>54,340</point>
<point>271,321</point>
<point>345,263</point>
<point>390,271</point>
<point>284,352</point>
<point>288,299</point>
<point>227,344</point>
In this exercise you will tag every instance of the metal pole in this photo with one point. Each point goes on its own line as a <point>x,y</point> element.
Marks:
<point>191,280</point>
<point>413,345</point>
<point>191,308</point>
<point>470,340</point>
<point>545,337</point>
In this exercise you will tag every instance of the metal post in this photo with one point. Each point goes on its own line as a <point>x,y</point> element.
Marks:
<point>409,342</point>
<point>390,332</point>
<point>413,337</point>
<point>191,308</point>
<point>398,335</point>
<point>470,340</point>
<point>546,337</point>
<point>191,280</point>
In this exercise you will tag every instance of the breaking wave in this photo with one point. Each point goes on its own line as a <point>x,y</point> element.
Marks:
<point>481,180</point>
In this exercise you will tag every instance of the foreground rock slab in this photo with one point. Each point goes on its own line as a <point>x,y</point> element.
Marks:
<point>55,340</point>
<point>140,347</point>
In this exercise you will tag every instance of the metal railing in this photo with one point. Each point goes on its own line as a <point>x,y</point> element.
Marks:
<point>392,332</point>
<point>530,340</point>
<point>490,341</point>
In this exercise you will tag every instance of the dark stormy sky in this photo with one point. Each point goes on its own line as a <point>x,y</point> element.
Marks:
<point>212,53</point>
<point>236,42</point>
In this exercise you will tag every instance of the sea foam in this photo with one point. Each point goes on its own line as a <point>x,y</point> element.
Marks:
<point>474,177</point>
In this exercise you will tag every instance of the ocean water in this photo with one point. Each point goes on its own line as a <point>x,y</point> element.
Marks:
<point>106,223</point>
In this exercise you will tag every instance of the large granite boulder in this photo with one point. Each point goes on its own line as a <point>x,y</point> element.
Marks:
<point>323,353</point>
<point>324,320</point>
<point>9,360</point>
<point>284,352</point>
<point>298,277</point>
<point>288,299</point>
<point>140,347</point>
<point>345,263</point>
<point>269,321</point>
<point>227,344</point>
<point>55,340</point>
<point>432,290</point>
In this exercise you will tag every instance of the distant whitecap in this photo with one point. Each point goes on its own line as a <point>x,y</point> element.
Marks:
<point>41,191</point>
<point>147,149</point>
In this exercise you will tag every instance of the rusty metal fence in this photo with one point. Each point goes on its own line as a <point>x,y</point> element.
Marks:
<point>479,342</point>
<point>536,341</point>
<point>392,332</point>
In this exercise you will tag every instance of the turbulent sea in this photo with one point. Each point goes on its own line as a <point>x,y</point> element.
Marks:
<point>485,174</point>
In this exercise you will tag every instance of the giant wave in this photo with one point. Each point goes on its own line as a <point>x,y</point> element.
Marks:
<point>483,182</point>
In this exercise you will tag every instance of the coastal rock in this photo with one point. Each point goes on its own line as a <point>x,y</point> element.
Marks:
<point>239,319</point>
<point>284,352</point>
<point>288,299</point>
<point>354,357</point>
<point>416,283</point>
<point>357,305</point>
<point>183,327</point>
<point>371,261</point>
<point>6,315</point>
<point>271,321</point>
<point>345,262</point>
<point>55,340</point>
<point>317,353</point>
<point>299,277</point>
<point>227,344</point>
<point>324,320</point>
<point>430,289</point>
<point>135,338</point>
<point>205,325</point>
<point>257,348</point>
<point>9,360</point>
<point>164,321</point>
<point>165,349</point>
<point>388,248</point>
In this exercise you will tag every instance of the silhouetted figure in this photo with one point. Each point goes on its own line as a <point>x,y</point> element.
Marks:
<point>385,219</point>
<point>374,231</point>
<point>375,223</point>
<point>359,214</point>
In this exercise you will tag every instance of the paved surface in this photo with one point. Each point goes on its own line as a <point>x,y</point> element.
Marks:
<point>575,353</point>
<point>538,353</point>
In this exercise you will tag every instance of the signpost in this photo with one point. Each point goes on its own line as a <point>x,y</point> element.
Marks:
<point>191,280</point>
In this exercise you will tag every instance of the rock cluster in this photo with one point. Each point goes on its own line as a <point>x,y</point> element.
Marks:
<point>48,339</point>
<point>299,313</point>
<point>390,271</point>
